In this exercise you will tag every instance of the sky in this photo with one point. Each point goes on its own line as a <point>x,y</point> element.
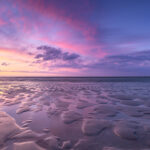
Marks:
<point>74,38</point>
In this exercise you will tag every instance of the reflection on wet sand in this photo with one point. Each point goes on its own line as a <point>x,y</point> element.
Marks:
<point>74,115</point>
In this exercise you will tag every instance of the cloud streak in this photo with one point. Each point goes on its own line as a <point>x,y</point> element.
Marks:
<point>131,58</point>
<point>137,63</point>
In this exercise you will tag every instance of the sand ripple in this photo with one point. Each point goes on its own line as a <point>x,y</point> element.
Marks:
<point>51,115</point>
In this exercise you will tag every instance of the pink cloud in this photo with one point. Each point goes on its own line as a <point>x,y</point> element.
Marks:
<point>55,11</point>
<point>2,22</point>
<point>39,31</point>
<point>78,48</point>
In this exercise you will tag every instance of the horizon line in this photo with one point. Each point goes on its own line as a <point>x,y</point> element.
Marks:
<point>74,76</point>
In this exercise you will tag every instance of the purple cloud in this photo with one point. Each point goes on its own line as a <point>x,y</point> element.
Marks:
<point>137,63</point>
<point>52,53</point>
<point>4,64</point>
<point>136,57</point>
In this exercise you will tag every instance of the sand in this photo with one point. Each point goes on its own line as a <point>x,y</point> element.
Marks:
<point>93,127</point>
<point>61,115</point>
<point>27,146</point>
<point>8,127</point>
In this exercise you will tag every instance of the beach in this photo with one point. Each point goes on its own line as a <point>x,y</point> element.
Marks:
<point>75,113</point>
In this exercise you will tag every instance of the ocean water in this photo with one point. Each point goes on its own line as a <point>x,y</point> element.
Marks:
<point>78,79</point>
<point>75,113</point>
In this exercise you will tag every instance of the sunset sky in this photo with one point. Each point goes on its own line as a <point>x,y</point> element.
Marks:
<point>74,37</point>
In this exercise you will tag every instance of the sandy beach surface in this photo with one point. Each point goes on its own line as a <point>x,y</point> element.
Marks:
<point>74,115</point>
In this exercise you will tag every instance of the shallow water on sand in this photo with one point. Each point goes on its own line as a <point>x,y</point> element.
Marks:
<point>65,115</point>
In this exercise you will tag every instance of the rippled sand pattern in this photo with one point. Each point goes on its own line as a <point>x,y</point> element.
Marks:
<point>48,115</point>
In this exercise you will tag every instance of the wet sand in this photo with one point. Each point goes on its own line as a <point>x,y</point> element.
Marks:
<point>50,115</point>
